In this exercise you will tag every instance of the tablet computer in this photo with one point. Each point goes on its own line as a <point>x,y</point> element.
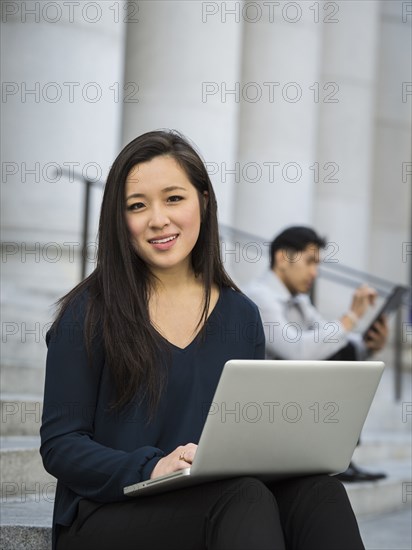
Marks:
<point>391,304</point>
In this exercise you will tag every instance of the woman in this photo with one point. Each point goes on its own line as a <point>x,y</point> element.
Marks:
<point>134,355</point>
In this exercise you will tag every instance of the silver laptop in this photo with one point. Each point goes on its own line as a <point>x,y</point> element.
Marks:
<point>272,419</point>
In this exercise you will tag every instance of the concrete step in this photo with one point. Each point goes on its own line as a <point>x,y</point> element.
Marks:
<point>381,446</point>
<point>386,495</point>
<point>26,525</point>
<point>385,413</point>
<point>387,531</point>
<point>21,349</point>
<point>22,379</point>
<point>389,416</point>
<point>21,471</point>
<point>20,414</point>
<point>26,316</point>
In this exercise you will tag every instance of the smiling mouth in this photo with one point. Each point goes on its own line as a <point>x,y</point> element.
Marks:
<point>163,241</point>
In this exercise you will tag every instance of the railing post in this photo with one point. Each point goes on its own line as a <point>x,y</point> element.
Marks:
<point>85,232</point>
<point>398,354</point>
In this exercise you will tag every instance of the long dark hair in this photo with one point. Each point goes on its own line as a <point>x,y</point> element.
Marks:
<point>119,287</point>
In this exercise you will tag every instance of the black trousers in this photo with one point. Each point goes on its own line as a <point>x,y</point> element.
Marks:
<point>305,513</point>
<point>348,353</point>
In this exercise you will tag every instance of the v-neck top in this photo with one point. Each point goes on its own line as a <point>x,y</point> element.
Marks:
<point>193,342</point>
<point>95,451</point>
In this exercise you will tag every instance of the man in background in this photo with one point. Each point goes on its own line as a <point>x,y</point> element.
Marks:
<point>293,326</point>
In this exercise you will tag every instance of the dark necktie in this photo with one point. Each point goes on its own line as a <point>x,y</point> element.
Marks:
<point>295,312</point>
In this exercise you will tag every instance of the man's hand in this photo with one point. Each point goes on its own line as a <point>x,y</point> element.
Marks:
<point>363,297</point>
<point>376,337</point>
<point>179,459</point>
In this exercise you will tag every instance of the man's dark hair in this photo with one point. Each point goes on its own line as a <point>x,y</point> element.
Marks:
<point>295,238</point>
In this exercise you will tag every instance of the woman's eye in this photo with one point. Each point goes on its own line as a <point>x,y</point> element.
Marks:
<point>135,206</point>
<point>175,198</point>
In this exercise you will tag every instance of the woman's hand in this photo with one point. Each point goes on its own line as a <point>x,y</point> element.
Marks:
<point>179,459</point>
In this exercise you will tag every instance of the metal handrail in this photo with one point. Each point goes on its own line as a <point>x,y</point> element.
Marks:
<point>88,184</point>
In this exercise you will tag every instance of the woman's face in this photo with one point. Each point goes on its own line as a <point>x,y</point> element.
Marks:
<point>162,213</point>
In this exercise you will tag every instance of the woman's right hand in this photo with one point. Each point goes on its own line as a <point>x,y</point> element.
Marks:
<point>179,459</point>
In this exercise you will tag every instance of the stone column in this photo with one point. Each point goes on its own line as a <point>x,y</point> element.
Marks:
<point>390,220</point>
<point>278,121</point>
<point>180,57</point>
<point>61,66</point>
<point>346,138</point>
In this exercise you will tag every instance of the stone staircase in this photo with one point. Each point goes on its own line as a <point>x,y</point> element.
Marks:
<point>27,491</point>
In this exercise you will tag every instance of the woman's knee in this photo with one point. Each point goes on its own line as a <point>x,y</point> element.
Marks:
<point>309,490</point>
<point>245,516</point>
<point>248,489</point>
<point>325,488</point>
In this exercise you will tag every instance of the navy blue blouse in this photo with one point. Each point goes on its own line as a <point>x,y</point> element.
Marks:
<point>95,451</point>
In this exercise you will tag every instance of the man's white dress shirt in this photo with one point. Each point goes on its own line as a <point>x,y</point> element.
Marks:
<point>294,328</point>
